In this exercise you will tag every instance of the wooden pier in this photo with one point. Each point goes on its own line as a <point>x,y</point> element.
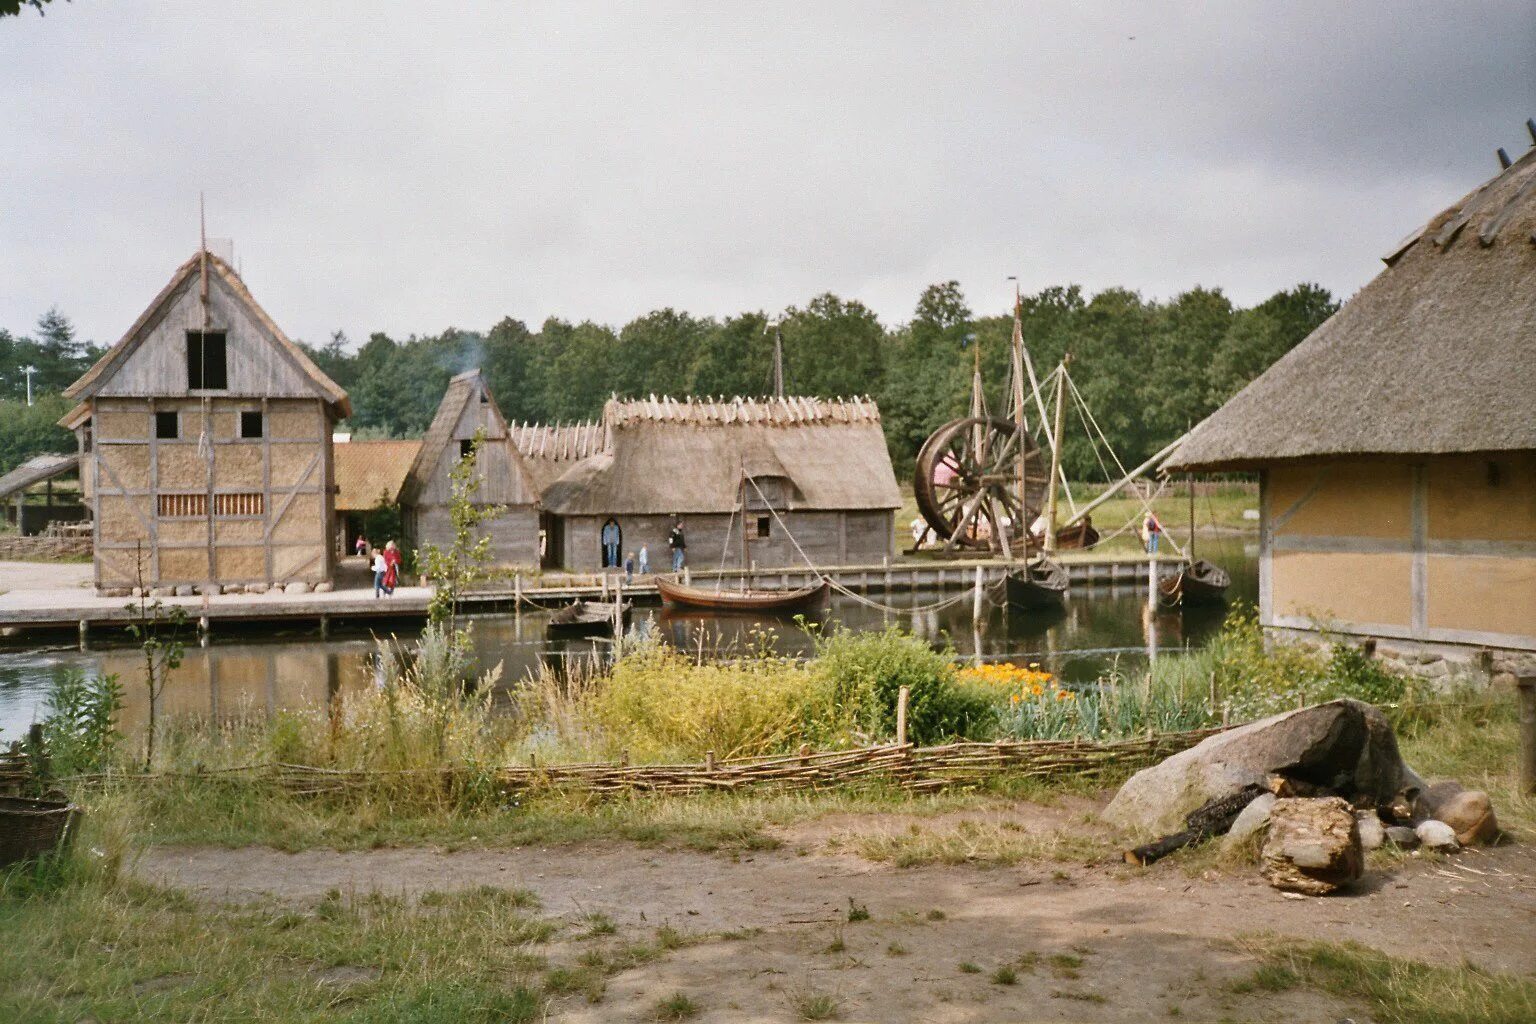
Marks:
<point>25,611</point>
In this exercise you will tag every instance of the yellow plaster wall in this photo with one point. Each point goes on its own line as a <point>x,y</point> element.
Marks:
<point>1482,594</point>
<point>1372,588</point>
<point>1465,504</point>
<point>1357,499</point>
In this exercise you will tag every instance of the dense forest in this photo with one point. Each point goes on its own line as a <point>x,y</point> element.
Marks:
<point>1148,369</point>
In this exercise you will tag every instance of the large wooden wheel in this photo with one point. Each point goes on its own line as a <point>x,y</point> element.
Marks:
<point>967,483</point>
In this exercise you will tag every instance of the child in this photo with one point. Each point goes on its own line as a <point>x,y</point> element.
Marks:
<point>645,560</point>
<point>629,567</point>
<point>380,569</point>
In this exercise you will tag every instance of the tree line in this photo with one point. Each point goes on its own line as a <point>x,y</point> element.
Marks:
<point>1148,368</point>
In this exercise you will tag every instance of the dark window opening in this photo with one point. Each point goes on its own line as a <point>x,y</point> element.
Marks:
<point>250,424</point>
<point>466,448</point>
<point>206,370</point>
<point>167,426</point>
<point>762,526</point>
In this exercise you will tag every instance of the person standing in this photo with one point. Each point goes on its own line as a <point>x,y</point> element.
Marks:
<point>391,568</point>
<point>679,545</point>
<point>380,569</point>
<point>1154,531</point>
<point>644,564</point>
<point>611,537</point>
<point>629,568</point>
<point>361,547</point>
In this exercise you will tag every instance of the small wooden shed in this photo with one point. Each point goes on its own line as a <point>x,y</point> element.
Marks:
<point>205,443</point>
<point>1396,446</point>
<point>468,407</point>
<point>815,474</point>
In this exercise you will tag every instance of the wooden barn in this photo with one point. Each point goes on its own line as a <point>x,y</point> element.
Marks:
<point>467,407</point>
<point>815,474</point>
<point>1396,446</point>
<point>205,440</point>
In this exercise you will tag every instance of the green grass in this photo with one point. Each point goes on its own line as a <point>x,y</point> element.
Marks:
<point>677,1006</point>
<point>1398,991</point>
<point>810,1004</point>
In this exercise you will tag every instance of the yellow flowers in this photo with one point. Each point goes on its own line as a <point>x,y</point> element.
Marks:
<point>1023,684</point>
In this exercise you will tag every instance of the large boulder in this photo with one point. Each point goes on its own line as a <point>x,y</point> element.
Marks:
<point>1344,746</point>
<point>1313,846</point>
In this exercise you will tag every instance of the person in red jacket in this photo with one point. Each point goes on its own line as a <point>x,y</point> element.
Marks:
<point>391,567</point>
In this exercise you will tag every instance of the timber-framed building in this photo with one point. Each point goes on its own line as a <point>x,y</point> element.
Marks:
<point>205,442</point>
<point>1396,445</point>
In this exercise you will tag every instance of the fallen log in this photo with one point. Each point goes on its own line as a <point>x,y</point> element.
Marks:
<point>1211,818</point>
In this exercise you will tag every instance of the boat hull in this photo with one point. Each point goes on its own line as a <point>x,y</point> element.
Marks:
<point>676,595</point>
<point>1201,583</point>
<point>1037,586</point>
<point>584,617</point>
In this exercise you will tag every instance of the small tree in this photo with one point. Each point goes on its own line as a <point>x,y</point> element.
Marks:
<point>157,628</point>
<point>454,570</point>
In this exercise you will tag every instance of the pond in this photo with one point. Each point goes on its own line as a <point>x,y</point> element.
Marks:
<point>1098,630</point>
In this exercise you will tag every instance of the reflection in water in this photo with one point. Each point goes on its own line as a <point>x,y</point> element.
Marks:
<point>1097,630</point>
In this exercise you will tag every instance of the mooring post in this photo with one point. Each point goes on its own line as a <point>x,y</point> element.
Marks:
<point>977,598</point>
<point>85,633</point>
<point>517,594</point>
<point>686,577</point>
<point>202,630</point>
<point>603,580</point>
<point>325,627</point>
<point>887,560</point>
<point>1152,582</point>
<point>901,716</point>
<point>618,609</point>
<point>1525,686</point>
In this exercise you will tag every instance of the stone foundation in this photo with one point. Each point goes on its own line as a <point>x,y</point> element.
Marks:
<point>1449,663</point>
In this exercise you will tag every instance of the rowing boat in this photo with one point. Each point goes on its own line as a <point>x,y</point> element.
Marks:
<point>676,595</point>
<point>585,617</point>
<point>1200,582</point>
<point>1040,584</point>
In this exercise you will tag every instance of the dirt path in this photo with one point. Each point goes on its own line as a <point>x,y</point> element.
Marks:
<point>1147,941</point>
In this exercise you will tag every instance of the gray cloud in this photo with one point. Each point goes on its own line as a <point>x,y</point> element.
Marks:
<point>404,168</point>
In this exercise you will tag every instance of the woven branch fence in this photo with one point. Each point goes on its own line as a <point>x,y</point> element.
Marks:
<point>919,769</point>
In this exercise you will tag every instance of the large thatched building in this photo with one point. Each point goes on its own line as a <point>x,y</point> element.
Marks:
<point>468,408</point>
<point>205,441</point>
<point>1396,445</point>
<point>814,475</point>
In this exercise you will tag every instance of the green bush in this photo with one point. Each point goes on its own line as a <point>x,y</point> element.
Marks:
<point>78,731</point>
<point>866,671</point>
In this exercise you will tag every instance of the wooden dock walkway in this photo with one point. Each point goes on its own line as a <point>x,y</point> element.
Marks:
<point>24,610</point>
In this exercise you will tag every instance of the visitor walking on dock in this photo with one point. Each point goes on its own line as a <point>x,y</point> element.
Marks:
<point>1154,530</point>
<point>391,568</point>
<point>644,563</point>
<point>679,545</point>
<point>380,569</point>
<point>611,537</point>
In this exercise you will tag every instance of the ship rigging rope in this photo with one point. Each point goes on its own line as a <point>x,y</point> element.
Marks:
<point>964,595</point>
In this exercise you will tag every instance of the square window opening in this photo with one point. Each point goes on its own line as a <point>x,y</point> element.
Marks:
<point>167,426</point>
<point>466,448</point>
<point>250,424</point>
<point>763,523</point>
<point>206,366</point>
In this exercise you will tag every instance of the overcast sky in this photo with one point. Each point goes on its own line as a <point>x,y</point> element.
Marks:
<point>409,167</point>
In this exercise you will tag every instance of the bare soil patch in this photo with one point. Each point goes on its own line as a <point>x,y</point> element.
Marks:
<point>765,933</point>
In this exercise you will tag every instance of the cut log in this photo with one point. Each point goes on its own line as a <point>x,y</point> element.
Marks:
<point>1211,818</point>
<point>1313,846</point>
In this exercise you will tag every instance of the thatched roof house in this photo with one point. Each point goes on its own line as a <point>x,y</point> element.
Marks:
<point>1397,443</point>
<point>550,451</point>
<point>468,408</point>
<point>816,469</point>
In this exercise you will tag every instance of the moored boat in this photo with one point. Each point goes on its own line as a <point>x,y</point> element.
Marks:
<point>1199,582</point>
<point>676,595</point>
<point>1078,535</point>
<point>1039,584</point>
<point>585,617</point>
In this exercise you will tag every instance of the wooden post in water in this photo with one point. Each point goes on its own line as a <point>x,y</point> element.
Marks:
<point>618,609</point>
<point>976,601</point>
<point>901,716</point>
<point>1152,582</point>
<point>85,632</point>
<point>517,594</point>
<point>1525,686</point>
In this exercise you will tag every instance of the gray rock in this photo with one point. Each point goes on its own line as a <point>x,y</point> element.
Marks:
<point>1373,834</point>
<point>1252,818</point>
<point>162,591</point>
<point>255,588</point>
<point>324,587</point>
<point>186,590</point>
<point>1345,745</point>
<point>296,587</point>
<point>210,589</point>
<point>1437,835</point>
<point>1402,837</point>
<point>116,592</point>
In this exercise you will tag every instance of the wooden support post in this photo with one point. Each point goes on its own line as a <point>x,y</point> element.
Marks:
<point>976,601</point>
<point>517,593</point>
<point>325,627</point>
<point>1152,582</point>
<point>603,582</point>
<point>1525,686</point>
<point>686,577</point>
<point>203,630</point>
<point>901,716</point>
<point>618,609</point>
<point>85,633</point>
<point>709,761</point>
<point>805,753</point>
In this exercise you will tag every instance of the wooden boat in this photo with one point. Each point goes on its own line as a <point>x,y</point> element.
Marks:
<point>1078,535</point>
<point>586,617</point>
<point>1039,584</point>
<point>676,595</point>
<point>1200,582</point>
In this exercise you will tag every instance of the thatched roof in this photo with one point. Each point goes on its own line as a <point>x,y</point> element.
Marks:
<point>468,406</point>
<point>36,470</point>
<point>549,451</point>
<point>1436,355</point>
<point>367,471</point>
<point>103,369</point>
<point>665,456</point>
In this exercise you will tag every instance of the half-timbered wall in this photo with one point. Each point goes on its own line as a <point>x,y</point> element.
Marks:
<point>210,505</point>
<point>1439,550</point>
